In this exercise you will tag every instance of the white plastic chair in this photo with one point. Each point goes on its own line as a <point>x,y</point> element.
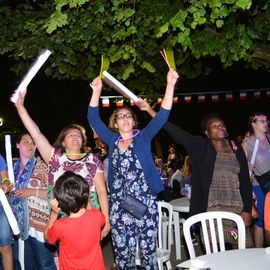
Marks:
<point>163,249</point>
<point>208,220</point>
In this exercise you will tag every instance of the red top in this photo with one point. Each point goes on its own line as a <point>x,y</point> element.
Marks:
<point>79,241</point>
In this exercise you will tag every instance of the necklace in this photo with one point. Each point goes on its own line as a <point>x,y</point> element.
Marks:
<point>74,154</point>
<point>135,133</point>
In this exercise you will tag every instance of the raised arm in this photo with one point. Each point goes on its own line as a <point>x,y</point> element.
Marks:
<point>167,101</point>
<point>97,88</point>
<point>172,77</point>
<point>93,113</point>
<point>43,145</point>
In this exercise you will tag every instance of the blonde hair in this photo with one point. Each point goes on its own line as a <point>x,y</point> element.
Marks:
<point>186,170</point>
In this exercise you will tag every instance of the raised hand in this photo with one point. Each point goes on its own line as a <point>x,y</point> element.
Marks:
<point>96,84</point>
<point>20,100</point>
<point>172,77</point>
<point>143,104</point>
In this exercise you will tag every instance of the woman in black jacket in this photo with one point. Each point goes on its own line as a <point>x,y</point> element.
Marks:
<point>220,178</point>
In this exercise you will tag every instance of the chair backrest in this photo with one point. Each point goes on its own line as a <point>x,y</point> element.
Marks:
<point>213,221</point>
<point>165,209</point>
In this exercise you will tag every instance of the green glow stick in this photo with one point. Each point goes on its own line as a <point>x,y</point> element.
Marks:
<point>105,62</point>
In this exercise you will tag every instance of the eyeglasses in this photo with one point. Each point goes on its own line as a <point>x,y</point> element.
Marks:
<point>221,125</point>
<point>263,121</point>
<point>123,116</point>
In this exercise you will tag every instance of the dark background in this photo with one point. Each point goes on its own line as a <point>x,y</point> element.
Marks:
<point>53,104</point>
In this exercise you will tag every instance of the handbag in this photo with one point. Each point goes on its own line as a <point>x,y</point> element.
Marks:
<point>133,206</point>
<point>264,181</point>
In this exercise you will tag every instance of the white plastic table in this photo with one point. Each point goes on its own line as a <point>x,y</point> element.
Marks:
<point>238,259</point>
<point>180,205</point>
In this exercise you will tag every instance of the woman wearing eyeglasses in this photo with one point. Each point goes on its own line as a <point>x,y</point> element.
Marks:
<point>258,129</point>
<point>132,173</point>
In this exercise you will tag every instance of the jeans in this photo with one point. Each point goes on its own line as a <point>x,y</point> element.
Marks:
<point>6,237</point>
<point>37,255</point>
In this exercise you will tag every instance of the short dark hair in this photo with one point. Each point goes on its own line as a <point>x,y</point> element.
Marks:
<point>206,119</point>
<point>21,134</point>
<point>72,192</point>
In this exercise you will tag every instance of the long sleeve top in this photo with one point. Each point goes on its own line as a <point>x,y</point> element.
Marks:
<point>203,157</point>
<point>141,142</point>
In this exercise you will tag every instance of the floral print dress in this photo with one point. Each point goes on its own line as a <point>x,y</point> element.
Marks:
<point>126,230</point>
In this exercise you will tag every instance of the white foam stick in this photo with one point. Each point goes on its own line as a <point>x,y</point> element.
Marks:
<point>11,219</point>
<point>21,253</point>
<point>37,64</point>
<point>9,158</point>
<point>119,87</point>
<point>10,216</point>
<point>254,153</point>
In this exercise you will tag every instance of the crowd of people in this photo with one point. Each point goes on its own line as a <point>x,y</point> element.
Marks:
<point>68,199</point>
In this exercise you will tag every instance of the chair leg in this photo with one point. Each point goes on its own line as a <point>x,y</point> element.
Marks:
<point>164,233</point>
<point>160,265</point>
<point>169,265</point>
<point>177,235</point>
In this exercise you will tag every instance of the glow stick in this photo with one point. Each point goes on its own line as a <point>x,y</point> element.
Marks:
<point>10,216</point>
<point>254,153</point>
<point>165,59</point>
<point>21,253</point>
<point>170,58</point>
<point>9,158</point>
<point>8,211</point>
<point>105,63</point>
<point>37,64</point>
<point>111,81</point>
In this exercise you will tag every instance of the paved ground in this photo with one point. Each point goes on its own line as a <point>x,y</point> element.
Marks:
<point>108,254</point>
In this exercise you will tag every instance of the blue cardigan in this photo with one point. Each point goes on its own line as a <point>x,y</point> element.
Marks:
<point>141,142</point>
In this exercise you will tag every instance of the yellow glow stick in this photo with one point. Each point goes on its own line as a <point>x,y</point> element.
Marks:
<point>169,55</point>
<point>105,63</point>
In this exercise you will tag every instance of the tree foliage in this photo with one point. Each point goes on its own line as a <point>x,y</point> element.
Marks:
<point>132,32</point>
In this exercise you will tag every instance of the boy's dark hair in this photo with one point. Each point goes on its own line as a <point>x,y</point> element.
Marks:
<point>72,192</point>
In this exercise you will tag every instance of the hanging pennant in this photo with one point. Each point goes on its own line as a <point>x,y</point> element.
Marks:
<point>132,103</point>
<point>120,103</point>
<point>215,98</point>
<point>243,96</point>
<point>105,102</point>
<point>268,93</point>
<point>229,97</point>
<point>187,99</point>
<point>175,99</point>
<point>201,98</point>
<point>257,95</point>
<point>159,101</point>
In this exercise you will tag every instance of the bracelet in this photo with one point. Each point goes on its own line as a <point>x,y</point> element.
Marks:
<point>7,179</point>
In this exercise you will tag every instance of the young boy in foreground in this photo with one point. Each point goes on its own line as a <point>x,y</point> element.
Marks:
<point>79,232</point>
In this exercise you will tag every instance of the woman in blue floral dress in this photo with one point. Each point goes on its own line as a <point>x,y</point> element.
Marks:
<point>132,172</point>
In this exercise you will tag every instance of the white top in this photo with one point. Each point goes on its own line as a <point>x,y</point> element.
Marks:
<point>238,259</point>
<point>181,205</point>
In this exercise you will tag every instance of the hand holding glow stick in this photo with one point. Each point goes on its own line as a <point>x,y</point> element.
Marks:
<point>254,153</point>
<point>10,216</point>
<point>37,64</point>
<point>115,84</point>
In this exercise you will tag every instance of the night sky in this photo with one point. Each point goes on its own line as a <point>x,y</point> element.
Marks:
<point>53,104</point>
